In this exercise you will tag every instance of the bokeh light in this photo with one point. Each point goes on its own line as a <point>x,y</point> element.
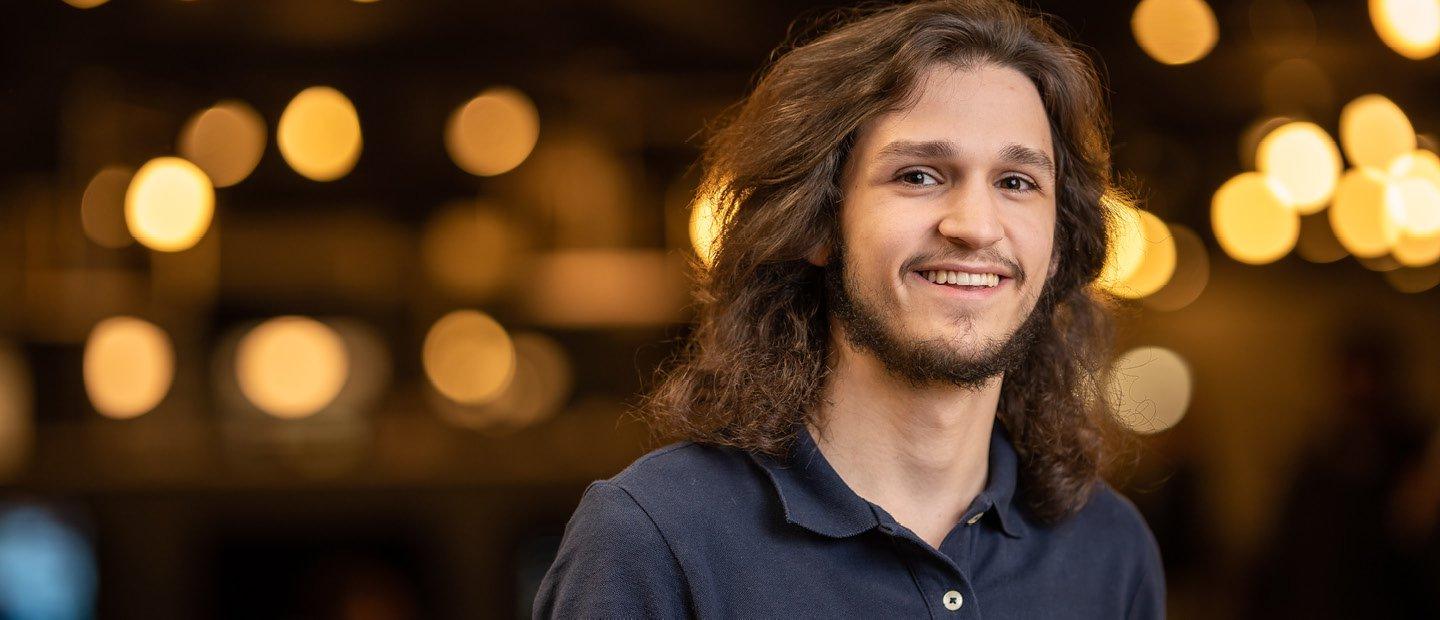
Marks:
<point>1410,27</point>
<point>1317,242</point>
<point>1413,279</point>
<point>47,569</point>
<point>469,357</point>
<point>319,134</point>
<point>1415,250</point>
<point>1253,220</point>
<point>291,366</point>
<point>17,411</point>
<point>1127,248</point>
<point>1374,131</point>
<point>129,366</point>
<point>1175,32</point>
<point>1157,262</point>
<point>102,207</point>
<point>85,4</point>
<point>1363,213</point>
<point>1150,388</point>
<point>225,140</point>
<point>169,204</point>
<point>540,386</point>
<point>471,249</point>
<point>1192,272</point>
<point>1303,159</point>
<point>705,225</point>
<point>492,133</point>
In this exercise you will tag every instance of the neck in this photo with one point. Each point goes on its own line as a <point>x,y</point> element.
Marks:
<point>920,452</point>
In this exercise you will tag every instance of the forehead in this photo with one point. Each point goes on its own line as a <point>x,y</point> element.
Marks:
<point>981,109</point>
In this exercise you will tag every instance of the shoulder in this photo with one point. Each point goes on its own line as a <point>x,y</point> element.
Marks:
<point>687,476</point>
<point>1118,532</point>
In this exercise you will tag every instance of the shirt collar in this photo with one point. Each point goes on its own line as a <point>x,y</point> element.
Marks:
<point>816,498</point>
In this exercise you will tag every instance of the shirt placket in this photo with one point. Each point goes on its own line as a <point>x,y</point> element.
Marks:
<point>945,588</point>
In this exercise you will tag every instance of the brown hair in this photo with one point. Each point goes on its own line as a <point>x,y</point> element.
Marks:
<point>755,365</point>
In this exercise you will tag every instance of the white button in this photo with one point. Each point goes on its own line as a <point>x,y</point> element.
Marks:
<point>975,519</point>
<point>953,600</point>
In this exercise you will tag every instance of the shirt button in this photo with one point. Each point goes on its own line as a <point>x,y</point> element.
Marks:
<point>975,519</point>
<point>952,600</point>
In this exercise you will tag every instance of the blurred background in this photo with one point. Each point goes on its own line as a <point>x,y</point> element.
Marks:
<point>331,309</point>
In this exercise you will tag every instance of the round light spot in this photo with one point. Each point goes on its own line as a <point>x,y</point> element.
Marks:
<point>705,224</point>
<point>1175,32</point>
<point>291,366</point>
<point>1157,263</point>
<point>470,250</point>
<point>319,134</point>
<point>1410,27</point>
<point>1419,206</point>
<point>129,365</point>
<point>468,357</point>
<point>102,207</point>
<point>492,133</point>
<point>1374,131</point>
<point>1127,245</point>
<point>226,141</point>
<point>1252,222</point>
<point>1150,389</point>
<point>541,384</point>
<point>169,204</point>
<point>1317,242</point>
<point>1363,214</point>
<point>1413,279</point>
<point>1192,272</point>
<point>85,4</point>
<point>1303,159</point>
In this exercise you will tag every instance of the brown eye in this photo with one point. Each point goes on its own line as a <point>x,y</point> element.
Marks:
<point>917,177</point>
<point>1018,184</point>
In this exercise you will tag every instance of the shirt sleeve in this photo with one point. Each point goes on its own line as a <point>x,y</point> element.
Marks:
<point>1149,600</point>
<point>613,562</point>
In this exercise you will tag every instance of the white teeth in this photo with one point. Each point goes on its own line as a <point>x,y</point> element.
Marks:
<point>962,278</point>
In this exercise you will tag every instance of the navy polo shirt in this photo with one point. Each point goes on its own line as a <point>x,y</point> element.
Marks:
<point>712,532</point>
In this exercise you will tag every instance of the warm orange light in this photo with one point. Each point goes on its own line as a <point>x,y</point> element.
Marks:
<point>129,365</point>
<point>169,204</point>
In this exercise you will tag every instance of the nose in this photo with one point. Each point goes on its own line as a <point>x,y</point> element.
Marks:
<point>971,216</point>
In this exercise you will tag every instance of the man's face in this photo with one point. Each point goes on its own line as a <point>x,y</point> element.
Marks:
<point>960,183</point>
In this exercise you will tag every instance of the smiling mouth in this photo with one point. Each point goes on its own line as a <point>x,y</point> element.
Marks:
<point>962,280</point>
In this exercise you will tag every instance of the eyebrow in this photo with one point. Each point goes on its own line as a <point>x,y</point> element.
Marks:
<point>943,149</point>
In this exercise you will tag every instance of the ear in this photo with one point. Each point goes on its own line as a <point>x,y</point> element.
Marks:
<point>820,256</point>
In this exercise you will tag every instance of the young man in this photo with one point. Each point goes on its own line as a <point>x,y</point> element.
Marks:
<point>889,404</point>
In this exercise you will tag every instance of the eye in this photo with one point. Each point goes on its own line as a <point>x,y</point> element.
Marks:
<point>917,177</point>
<point>1018,183</point>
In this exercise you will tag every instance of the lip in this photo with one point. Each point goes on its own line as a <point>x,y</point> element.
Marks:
<point>955,291</point>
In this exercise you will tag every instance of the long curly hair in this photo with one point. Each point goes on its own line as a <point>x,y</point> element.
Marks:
<point>754,367</point>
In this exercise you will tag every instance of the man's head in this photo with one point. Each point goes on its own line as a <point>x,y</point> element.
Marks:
<point>958,185</point>
<point>899,147</point>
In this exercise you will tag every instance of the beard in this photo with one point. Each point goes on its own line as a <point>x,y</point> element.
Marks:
<point>923,361</point>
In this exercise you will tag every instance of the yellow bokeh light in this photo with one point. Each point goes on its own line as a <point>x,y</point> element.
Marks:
<point>1413,280</point>
<point>1127,243</point>
<point>129,365</point>
<point>1419,206</point>
<point>1150,389</point>
<point>1303,159</point>
<point>225,140</point>
<point>1191,273</point>
<point>541,384</point>
<point>1410,27</point>
<point>1252,221</point>
<point>102,207</point>
<point>470,250</point>
<point>468,357</point>
<point>1175,32</point>
<point>291,366</point>
<point>1317,242</point>
<point>1157,262</point>
<point>1374,131</point>
<point>1416,251</point>
<point>319,134</point>
<point>493,133</point>
<point>169,204</point>
<point>1363,214</point>
<point>85,4</point>
<point>705,224</point>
